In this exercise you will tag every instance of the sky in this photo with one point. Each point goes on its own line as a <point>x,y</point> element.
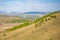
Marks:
<point>29,5</point>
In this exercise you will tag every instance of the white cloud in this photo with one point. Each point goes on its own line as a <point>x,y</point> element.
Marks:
<point>28,6</point>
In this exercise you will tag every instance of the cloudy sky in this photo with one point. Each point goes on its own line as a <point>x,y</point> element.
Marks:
<point>29,5</point>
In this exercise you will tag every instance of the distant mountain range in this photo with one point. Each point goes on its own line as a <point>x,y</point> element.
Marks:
<point>24,15</point>
<point>17,13</point>
<point>35,12</point>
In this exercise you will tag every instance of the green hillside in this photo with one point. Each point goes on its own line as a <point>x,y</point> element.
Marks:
<point>40,20</point>
<point>44,28</point>
<point>11,19</point>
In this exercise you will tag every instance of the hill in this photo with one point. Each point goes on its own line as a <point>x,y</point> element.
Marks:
<point>48,30</point>
<point>10,21</point>
<point>35,12</point>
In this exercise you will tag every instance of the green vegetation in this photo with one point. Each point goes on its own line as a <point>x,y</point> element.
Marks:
<point>19,26</point>
<point>12,19</point>
<point>16,21</point>
<point>40,20</point>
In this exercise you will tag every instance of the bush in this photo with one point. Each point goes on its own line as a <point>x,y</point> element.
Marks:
<point>17,27</point>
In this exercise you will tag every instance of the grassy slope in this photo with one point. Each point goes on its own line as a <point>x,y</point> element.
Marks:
<point>11,19</point>
<point>48,31</point>
<point>28,23</point>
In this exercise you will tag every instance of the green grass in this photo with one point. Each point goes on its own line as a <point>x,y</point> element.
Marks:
<point>42,18</point>
<point>16,21</point>
<point>28,23</point>
<point>17,27</point>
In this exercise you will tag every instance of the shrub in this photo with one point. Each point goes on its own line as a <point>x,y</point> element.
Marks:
<point>19,26</point>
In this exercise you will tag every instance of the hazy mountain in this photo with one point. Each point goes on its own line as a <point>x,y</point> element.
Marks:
<point>35,12</point>
<point>30,15</point>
